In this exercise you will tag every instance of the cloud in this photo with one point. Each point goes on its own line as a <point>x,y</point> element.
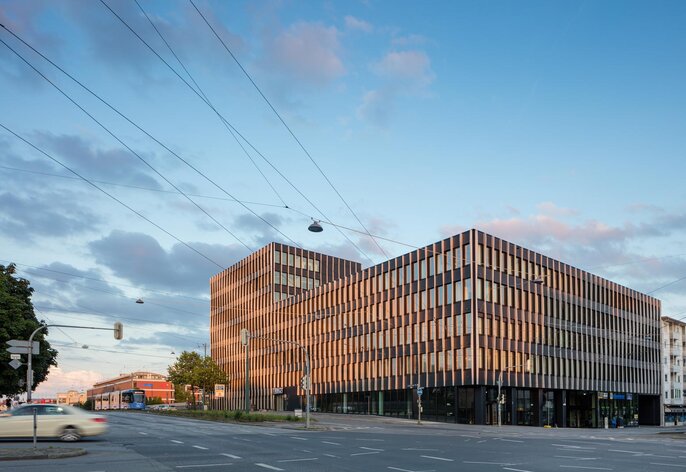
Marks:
<point>409,40</point>
<point>140,259</point>
<point>356,24</point>
<point>377,107</point>
<point>60,381</point>
<point>410,68</point>
<point>306,52</point>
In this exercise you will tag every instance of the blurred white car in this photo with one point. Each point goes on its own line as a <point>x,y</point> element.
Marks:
<point>52,421</point>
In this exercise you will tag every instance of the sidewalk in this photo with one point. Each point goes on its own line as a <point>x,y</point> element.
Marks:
<point>14,452</point>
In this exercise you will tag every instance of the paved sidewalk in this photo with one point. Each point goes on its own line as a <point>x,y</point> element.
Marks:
<point>29,453</point>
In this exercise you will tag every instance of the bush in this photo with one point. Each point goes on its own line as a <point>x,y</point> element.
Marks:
<point>228,415</point>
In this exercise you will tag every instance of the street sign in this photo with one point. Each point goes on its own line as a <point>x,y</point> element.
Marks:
<point>15,364</point>
<point>219,390</point>
<point>15,356</point>
<point>305,382</point>
<point>17,346</point>
<point>420,390</point>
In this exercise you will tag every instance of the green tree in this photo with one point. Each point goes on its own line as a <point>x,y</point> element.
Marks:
<point>199,372</point>
<point>18,321</point>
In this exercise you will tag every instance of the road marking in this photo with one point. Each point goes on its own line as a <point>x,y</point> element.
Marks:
<point>417,449</point>
<point>438,458</point>
<point>230,455</point>
<point>370,440</point>
<point>333,443</point>
<point>510,440</point>
<point>300,460</point>
<point>515,470</point>
<point>622,450</point>
<point>408,470</point>
<point>572,447</point>
<point>582,467</point>
<point>141,432</point>
<point>201,447</point>
<point>269,434</point>
<point>491,463</point>
<point>198,466</point>
<point>578,458</point>
<point>175,441</point>
<point>299,438</point>
<point>365,453</point>
<point>266,466</point>
<point>331,455</point>
<point>371,448</point>
<point>668,465</point>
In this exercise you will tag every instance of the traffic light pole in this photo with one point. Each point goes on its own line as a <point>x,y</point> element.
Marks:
<point>29,365</point>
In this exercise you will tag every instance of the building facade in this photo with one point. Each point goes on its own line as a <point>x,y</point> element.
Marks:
<point>72,397</point>
<point>106,395</point>
<point>457,318</point>
<point>673,348</point>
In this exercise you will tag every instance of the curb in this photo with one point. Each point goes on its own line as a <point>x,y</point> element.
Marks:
<point>16,454</point>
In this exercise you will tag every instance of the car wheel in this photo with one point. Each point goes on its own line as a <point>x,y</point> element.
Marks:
<point>70,434</point>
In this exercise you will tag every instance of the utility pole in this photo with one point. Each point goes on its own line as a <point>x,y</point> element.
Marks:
<point>203,380</point>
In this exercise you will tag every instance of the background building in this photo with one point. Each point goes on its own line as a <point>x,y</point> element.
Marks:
<point>103,394</point>
<point>457,318</point>
<point>72,397</point>
<point>673,338</point>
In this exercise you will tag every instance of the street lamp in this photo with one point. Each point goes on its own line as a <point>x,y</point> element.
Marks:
<point>315,227</point>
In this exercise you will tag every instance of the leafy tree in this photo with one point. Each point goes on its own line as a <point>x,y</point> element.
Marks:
<point>197,371</point>
<point>154,401</point>
<point>18,321</point>
<point>87,405</point>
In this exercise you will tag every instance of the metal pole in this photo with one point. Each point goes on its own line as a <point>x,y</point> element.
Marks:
<point>29,365</point>
<point>419,409</point>
<point>35,426</point>
<point>500,382</point>
<point>307,390</point>
<point>247,379</point>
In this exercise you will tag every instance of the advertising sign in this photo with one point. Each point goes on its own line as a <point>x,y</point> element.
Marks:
<point>219,390</point>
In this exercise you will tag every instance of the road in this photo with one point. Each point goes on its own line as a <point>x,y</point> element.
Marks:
<point>147,442</point>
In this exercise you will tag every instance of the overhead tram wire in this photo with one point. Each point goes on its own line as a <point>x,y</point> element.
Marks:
<point>290,131</point>
<point>149,189</point>
<point>245,151</point>
<point>129,120</point>
<point>221,117</point>
<point>138,156</point>
<point>112,197</point>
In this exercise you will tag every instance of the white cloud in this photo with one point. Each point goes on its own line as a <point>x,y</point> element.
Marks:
<point>376,107</point>
<point>409,67</point>
<point>60,380</point>
<point>353,23</point>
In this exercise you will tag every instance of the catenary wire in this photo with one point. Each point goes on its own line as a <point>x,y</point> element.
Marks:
<point>129,120</point>
<point>245,151</point>
<point>168,233</point>
<point>238,133</point>
<point>288,128</point>
<point>119,140</point>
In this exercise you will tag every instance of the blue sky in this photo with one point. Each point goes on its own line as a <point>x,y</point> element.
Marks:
<point>557,125</point>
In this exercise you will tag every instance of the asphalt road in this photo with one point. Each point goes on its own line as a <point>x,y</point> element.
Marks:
<point>146,442</point>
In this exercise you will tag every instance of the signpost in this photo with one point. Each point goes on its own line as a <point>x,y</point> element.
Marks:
<point>15,364</point>
<point>17,346</point>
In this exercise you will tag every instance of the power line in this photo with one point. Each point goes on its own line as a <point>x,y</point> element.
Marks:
<point>111,196</point>
<point>290,131</point>
<point>129,120</point>
<point>221,117</point>
<point>138,156</point>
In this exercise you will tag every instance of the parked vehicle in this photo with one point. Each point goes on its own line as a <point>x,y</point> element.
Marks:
<point>52,421</point>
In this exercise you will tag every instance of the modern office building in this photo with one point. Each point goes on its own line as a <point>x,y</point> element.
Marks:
<point>457,318</point>
<point>673,348</point>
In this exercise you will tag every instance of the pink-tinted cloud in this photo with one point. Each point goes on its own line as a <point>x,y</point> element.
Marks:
<point>60,380</point>
<point>308,52</point>
<point>409,67</point>
<point>353,23</point>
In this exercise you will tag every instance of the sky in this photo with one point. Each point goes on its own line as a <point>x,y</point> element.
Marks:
<point>192,133</point>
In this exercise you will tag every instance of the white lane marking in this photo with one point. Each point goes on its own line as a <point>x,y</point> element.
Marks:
<point>296,437</point>
<point>578,458</point>
<point>491,463</point>
<point>582,467</point>
<point>230,455</point>
<point>269,434</point>
<point>408,470</point>
<point>175,441</point>
<point>141,432</point>
<point>622,450</point>
<point>332,443</point>
<point>201,447</point>
<point>331,455</point>
<point>515,470</point>
<point>300,460</point>
<point>371,448</point>
<point>510,440</point>
<point>365,453</point>
<point>266,466</point>
<point>198,466</point>
<point>370,440</point>
<point>572,447</point>
<point>668,465</point>
<point>417,449</point>
<point>438,458</point>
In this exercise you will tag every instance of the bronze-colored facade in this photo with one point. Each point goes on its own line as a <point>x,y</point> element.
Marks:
<point>570,348</point>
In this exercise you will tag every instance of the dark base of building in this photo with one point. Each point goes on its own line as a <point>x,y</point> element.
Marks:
<point>519,406</point>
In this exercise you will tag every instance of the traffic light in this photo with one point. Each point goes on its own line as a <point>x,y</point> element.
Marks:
<point>501,399</point>
<point>245,336</point>
<point>118,330</point>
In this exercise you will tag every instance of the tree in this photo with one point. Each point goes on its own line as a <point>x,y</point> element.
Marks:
<point>18,321</point>
<point>192,369</point>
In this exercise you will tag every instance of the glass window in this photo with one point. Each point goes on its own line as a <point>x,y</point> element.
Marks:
<point>432,298</point>
<point>423,331</point>
<point>432,362</point>
<point>479,289</point>
<point>291,260</point>
<point>297,261</point>
<point>458,291</point>
<point>457,258</point>
<point>310,264</point>
<point>423,300</point>
<point>487,290</point>
<point>468,323</point>
<point>468,358</point>
<point>458,360</point>
<point>284,278</point>
<point>316,265</point>
<point>297,281</point>
<point>441,294</point>
<point>422,269</point>
<point>415,271</point>
<point>277,257</point>
<point>439,264</point>
<point>400,277</point>
<point>467,254</point>
<point>277,277</point>
<point>448,326</point>
<point>468,289</point>
<point>458,325</point>
<point>449,361</point>
<point>432,266</point>
<point>449,294</point>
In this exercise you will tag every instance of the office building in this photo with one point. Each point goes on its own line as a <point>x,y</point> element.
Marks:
<point>457,318</point>
<point>673,339</point>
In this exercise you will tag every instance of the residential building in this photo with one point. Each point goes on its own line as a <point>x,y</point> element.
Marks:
<point>458,318</point>
<point>72,397</point>
<point>673,349</point>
